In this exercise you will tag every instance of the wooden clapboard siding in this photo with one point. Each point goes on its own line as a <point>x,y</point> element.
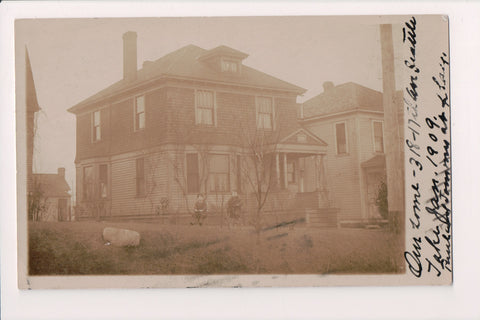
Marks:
<point>343,176</point>
<point>125,200</point>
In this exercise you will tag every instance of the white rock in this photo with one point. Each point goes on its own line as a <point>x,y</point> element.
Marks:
<point>121,237</point>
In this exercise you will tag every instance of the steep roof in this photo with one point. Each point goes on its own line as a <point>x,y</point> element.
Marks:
<point>52,185</point>
<point>189,63</point>
<point>344,97</point>
<point>30,91</point>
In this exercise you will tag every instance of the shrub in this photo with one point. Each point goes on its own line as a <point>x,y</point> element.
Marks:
<point>382,200</point>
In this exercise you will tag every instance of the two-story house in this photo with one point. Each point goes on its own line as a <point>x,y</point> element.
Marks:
<point>350,119</point>
<point>191,122</point>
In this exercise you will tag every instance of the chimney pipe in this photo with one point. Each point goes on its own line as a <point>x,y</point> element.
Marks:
<point>328,85</point>
<point>130,55</point>
<point>61,172</point>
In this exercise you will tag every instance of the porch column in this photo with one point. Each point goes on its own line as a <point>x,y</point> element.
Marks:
<point>321,172</point>
<point>285,177</point>
<point>277,162</point>
<point>321,180</point>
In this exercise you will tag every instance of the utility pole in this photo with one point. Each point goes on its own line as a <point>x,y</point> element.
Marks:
<point>392,128</point>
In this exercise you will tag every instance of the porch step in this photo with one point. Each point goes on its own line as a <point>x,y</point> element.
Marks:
<point>322,218</point>
<point>307,200</point>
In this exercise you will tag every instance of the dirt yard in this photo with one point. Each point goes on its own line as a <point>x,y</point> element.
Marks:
<point>78,248</point>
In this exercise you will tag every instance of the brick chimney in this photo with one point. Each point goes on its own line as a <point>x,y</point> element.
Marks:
<point>327,86</point>
<point>130,56</point>
<point>61,172</point>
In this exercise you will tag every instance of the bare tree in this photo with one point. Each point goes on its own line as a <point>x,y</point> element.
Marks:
<point>258,168</point>
<point>37,202</point>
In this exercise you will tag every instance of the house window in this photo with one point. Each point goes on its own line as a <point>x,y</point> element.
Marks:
<point>96,129</point>
<point>88,183</point>
<point>229,66</point>
<point>193,176</point>
<point>140,177</point>
<point>341,137</point>
<point>218,177</point>
<point>291,171</point>
<point>264,113</point>
<point>378,136</point>
<point>205,107</point>
<point>103,180</point>
<point>139,113</point>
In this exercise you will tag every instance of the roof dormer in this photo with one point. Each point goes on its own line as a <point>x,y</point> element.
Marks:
<point>224,59</point>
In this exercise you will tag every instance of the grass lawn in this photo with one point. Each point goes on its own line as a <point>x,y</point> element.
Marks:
<point>75,248</point>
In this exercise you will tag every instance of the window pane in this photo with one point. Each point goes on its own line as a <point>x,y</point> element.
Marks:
<point>102,169</point>
<point>205,99</point>
<point>291,172</point>
<point>265,112</point>
<point>103,177</point>
<point>267,121</point>
<point>88,181</point>
<point>140,104</point>
<point>205,107</point>
<point>265,105</point>
<point>206,116</point>
<point>218,163</point>
<point>96,118</point>
<point>141,121</point>
<point>219,173</point>
<point>341,138</point>
<point>97,133</point>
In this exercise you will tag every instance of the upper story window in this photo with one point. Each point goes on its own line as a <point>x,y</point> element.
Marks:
<point>265,112</point>
<point>139,113</point>
<point>96,127</point>
<point>341,138</point>
<point>229,66</point>
<point>378,136</point>
<point>204,107</point>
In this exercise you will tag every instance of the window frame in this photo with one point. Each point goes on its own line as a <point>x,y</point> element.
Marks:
<point>94,137</point>
<point>344,122</point>
<point>257,113</point>
<point>294,172</point>
<point>373,136</point>
<point>227,173</point>
<point>107,180</point>
<point>224,62</point>
<point>88,184</point>
<point>135,113</point>
<point>214,108</point>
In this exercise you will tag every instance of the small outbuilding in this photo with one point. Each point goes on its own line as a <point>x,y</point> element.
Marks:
<point>50,197</point>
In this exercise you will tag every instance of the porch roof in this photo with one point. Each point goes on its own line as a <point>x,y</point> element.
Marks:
<point>377,161</point>
<point>302,141</point>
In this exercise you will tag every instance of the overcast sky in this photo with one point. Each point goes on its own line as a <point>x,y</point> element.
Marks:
<point>74,58</point>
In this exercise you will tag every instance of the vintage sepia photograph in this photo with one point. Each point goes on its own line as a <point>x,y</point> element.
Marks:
<point>233,151</point>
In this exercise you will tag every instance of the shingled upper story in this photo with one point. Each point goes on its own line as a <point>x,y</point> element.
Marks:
<point>171,97</point>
